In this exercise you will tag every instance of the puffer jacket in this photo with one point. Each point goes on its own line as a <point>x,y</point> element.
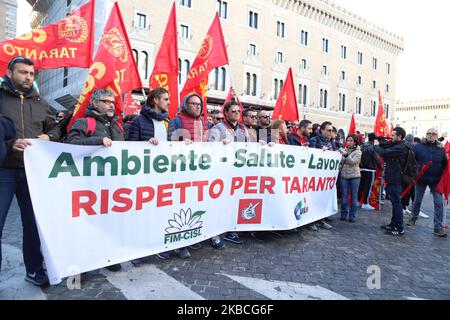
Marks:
<point>31,115</point>
<point>104,128</point>
<point>142,127</point>
<point>7,132</point>
<point>435,153</point>
<point>320,142</point>
<point>350,164</point>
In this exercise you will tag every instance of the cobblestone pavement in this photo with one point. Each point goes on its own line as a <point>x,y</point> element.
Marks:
<point>328,264</point>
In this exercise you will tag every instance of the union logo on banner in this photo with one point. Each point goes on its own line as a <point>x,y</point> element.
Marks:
<point>74,29</point>
<point>250,211</point>
<point>205,49</point>
<point>115,44</point>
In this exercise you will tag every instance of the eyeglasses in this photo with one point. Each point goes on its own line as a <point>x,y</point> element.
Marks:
<point>252,117</point>
<point>105,101</point>
<point>195,104</point>
<point>265,117</point>
<point>236,111</point>
<point>329,130</point>
<point>218,118</point>
<point>432,133</point>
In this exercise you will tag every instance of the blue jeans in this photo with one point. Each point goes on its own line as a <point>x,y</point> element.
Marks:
<point>349,186</point>
<point>14,181</point>
<point>438,203</point>
<point>394,192</point>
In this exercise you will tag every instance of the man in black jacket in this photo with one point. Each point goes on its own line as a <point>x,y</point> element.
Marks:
<point>395,154</point>
<point>33,119</point>
<point>370,161</point>
<point>7,132</point>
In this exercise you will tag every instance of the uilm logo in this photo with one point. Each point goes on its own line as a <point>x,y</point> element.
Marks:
<point>250,211</point>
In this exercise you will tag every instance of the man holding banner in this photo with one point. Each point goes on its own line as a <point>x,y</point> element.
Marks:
<point>33,119</point>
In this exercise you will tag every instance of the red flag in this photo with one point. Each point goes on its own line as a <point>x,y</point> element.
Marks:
<point>165,71</point>
<point>114,67</point>
<point>286,108</point>
<point>352,129</point>
<point>425,167</point>
<point>212,54</point>
<point>66,43</point>
<point>444,184</point>
<point>381,128</point>
<point>232,96</point>
<point>130,105</point>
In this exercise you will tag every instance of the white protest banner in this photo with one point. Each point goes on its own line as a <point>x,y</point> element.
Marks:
<point>96,206</point>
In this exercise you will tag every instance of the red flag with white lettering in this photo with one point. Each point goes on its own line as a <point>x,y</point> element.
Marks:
<point>212,54</point>
<point>286,108</point>
<point>165,71</point>
<point>66,43</point>
<point>114,67</point>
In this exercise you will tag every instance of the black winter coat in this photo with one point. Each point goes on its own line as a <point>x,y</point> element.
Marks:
<point>31,115</point>
<point>395,155</point>
<point>435,153</point>
<point>142,127</point>
<point>104,128</point>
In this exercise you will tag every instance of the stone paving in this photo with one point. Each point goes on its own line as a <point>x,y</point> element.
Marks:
<point>415,266</point>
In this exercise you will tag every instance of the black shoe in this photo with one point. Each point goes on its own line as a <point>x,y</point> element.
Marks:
<point>351,220</point>
<point>115,267</point>
<point>38,278</point>
<point>233,237</point>
<point>343,219</point>
<point>387,227</point>
<point>395,232</point>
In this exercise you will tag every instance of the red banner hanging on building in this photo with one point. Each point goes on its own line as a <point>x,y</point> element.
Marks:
<point>66,43</point>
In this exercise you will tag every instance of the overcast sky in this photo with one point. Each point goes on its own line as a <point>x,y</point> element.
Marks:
<point>424,66</point>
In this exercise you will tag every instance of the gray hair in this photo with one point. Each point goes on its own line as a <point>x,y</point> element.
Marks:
<point>99,93</point>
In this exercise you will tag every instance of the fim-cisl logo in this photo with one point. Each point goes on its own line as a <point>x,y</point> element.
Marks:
<point>300,209</point>
<point>184,226</point>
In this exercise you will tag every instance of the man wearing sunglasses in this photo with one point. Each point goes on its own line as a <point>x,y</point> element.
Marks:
<point>430,150</point>
<point>33,119</point>
<point>102,109</point>
<point>250,120</point>
<point>263,129</point>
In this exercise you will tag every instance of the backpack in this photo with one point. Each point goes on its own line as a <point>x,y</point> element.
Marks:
<point>91,124</point>
<point>410,171</point>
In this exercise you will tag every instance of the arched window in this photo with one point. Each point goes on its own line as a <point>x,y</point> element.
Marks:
<point>275,86</point>
<point>305,94</point>
<point>222,78</point>
<point>136,56</point>
<point>255,85</point>
<point>300,93</point>
<point>321,98</point>
<point>143,68</point>
<point>180,66</point>
<point>325,98</point>
<point>216,79</point>
<point>247,83</point>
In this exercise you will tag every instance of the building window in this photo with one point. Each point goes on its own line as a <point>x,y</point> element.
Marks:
<point>304,38</point>
<point>222,8</point>
<point>360,58</point>
<point>247,83</point>
<point>324,70</point>
<point>387,88</point>
<point>342,75</point>
<point>143,65</point>
<point>358,107</point>
<point>141,21</point>
<point>359,80</point>
<point>386,110</point>
<point>373,109</point>
<point>66,77</point>
<point>184,65</point>
<point>253,19</point>
<point>302,94</point>
<point>136,56</point>
<point>184,31</point>
<point>342,102</point>
<point>374,84</point>
<point>280,29</point>
<point>219,79</point>
<point>325,45</point>
<point>279,57</point>
<point>255,84</point>
<point>375,63</point>
<point>303,64</point>
<point>252,49</point>
<point>343,52</point>
<point>185,3</point>
<point>323,98</point>
<point>275,88</point>
<point>388,68</point>
<point>68,2</point>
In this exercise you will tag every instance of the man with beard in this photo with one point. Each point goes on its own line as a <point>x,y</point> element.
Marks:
<point>32,118</point>
<point>300,137</point>
<point>249,119</point>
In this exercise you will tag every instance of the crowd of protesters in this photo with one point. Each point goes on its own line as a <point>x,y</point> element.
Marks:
<point>24,115</point>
